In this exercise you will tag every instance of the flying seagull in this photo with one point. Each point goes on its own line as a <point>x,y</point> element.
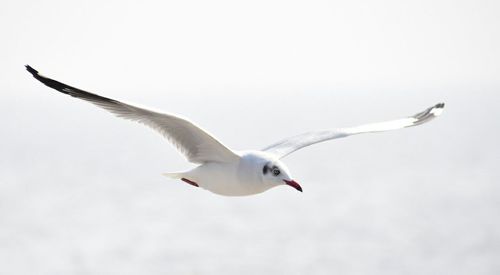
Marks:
<point>221,170</point>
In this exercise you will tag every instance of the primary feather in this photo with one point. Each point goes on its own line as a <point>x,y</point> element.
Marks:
<point>292,144</point>
<point>197,145</point>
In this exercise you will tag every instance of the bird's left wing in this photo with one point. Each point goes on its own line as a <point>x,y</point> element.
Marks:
<point>193,142</point>
<point>292,144</point>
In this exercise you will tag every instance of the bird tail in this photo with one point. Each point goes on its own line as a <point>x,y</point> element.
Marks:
<point>176,175</point>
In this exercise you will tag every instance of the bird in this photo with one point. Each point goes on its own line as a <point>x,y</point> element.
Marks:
<point>219,169</point>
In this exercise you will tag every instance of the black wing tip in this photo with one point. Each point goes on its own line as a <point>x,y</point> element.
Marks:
<point>31,70</point>
<point>439,105</point>
<point>47,81</point>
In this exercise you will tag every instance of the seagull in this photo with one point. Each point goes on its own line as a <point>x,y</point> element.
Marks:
<point>221,170</point>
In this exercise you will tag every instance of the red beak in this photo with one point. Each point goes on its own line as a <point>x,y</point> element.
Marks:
<point>293,184</point>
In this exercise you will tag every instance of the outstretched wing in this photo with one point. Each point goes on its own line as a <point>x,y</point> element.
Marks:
<point>197,145</point>
<point>292,144</point>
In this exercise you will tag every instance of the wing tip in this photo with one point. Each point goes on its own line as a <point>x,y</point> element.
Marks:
<point>61,87</point>
<point>428,114</point>
<point>31,70</point>
<point>437,109</point>
<point>439,105</point>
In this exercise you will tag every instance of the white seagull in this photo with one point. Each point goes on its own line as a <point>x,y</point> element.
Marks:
<point>222,170</point>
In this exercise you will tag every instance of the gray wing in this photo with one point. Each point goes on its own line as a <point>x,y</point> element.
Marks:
<point>292,144</point>
<point>197,145</point>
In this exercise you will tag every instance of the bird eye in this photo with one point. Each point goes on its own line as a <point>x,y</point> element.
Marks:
<point>276,172</point>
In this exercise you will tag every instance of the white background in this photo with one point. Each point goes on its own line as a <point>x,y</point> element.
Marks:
<point>81,191</point>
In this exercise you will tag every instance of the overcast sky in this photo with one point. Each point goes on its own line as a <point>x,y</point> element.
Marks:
<point>81,191</point>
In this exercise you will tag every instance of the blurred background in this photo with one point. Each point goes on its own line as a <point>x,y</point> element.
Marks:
<point>81,191</point>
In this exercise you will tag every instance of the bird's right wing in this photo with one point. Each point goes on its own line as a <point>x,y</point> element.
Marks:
<point>196,144</point>
<point>292,144</point>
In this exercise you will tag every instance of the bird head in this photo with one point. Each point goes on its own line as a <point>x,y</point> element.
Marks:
<point>266,170</point>
<point>274,172</point>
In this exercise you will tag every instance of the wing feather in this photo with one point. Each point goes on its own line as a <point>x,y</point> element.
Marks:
<point>194,143</point>
<point>292,144</point>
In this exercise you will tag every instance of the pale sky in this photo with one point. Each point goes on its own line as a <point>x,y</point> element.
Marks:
<point>81,190</point>
<point>263,45</point>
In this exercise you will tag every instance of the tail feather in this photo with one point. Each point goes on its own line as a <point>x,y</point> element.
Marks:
<point>177,175</point>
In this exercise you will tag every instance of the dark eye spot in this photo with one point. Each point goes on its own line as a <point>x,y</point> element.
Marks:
<point>276,172</point>
<point>265,169</point>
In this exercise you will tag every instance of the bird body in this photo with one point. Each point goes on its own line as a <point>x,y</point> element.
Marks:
<point>222,170</point>
<point>237,178</point>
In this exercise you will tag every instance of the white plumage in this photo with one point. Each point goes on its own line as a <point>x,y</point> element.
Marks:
<point>222,170</point>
